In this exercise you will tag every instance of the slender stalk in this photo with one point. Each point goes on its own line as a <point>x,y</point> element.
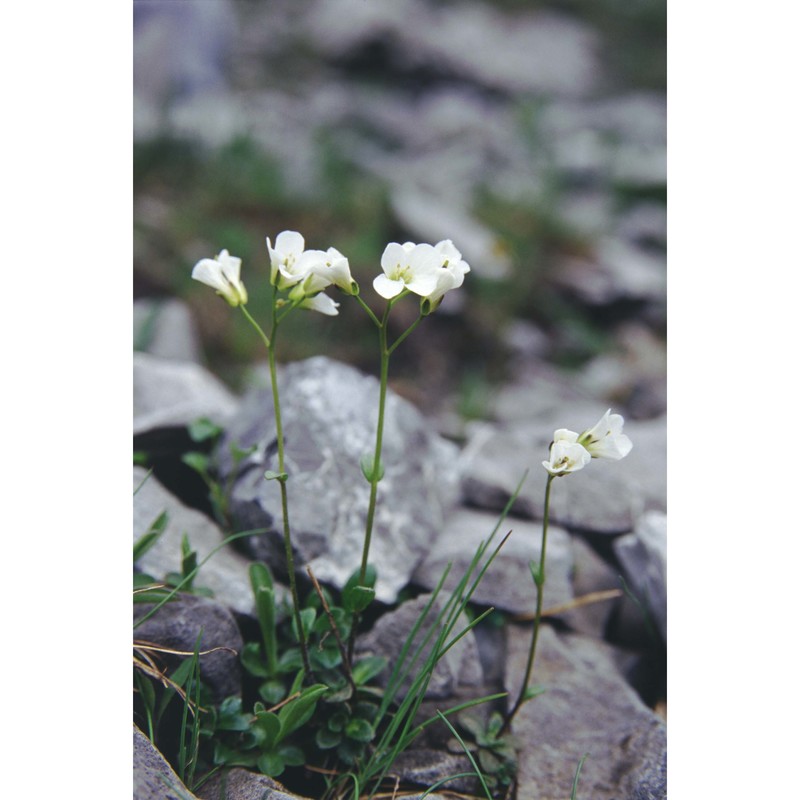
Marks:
<point>375,478</point>
<point>539,581</point>
<point>269,343</point>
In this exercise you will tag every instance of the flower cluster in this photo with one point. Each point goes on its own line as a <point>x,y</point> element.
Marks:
<point>429,271</point>
<point>572,451</point>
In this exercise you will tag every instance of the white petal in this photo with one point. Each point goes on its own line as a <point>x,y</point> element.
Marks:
<point>387,288</point>
<point>290,242</point>
<point>209,272</point>
<point>321,303</point>
<point>393,255</point>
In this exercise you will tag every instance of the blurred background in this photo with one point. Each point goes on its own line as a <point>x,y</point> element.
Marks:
<point>532,134</point>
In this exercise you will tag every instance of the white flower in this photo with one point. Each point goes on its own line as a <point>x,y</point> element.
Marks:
<point>322,303</point>
<point>409,266</point>
<point>222,273</point>
<point>450,276</point>
<point>290,262</point>
<point>330,268</point>
<point>606,439</point>
<point>566,455</point>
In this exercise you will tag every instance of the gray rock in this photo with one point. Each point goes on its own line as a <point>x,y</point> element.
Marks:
<point>459,667</point>
<point>643,556</point>
<point>153,777</point>
<point>329,414</point>
<point>507,584</point>
<point>605,497</point>
<point>241,784</point>
<point>542,52</point>
<point>165,328</point>
<point>225,572</point>
<point>177,626</point>
<point>172,394</point>
<point>587,708</point>
<point>425,767</point>
<point>592,577</point>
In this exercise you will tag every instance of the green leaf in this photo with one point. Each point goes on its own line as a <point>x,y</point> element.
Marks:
<point>290,660</point>
<point>368,668</point>
<point>269,475</point>
<point>230,717</point>
<point>339,695</point>
<point>202,429</point>
<point>148,539</point>
<point>534,691</point>
<point>360,730</point>
<point>237,453</point>
<point>307,617</point>
<point>292,756</point>
<point>295,714</point>
<point>253,661</point>
<point>367,467</point>
<point>271,764</point>
<point>197,461</point>
<point>326,739</point>
<point>264,594</point>
<point>325,657</point>
<point>358,598</point>
<point>267,727</point>
<point>272,692</point>
<point>537,576</point>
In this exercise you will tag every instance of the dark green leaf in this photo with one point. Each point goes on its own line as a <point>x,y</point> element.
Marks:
<point>325,657</point>
<point>296,713</point>
<point>357,598</point>
<point>367,668</point>
<point>360,730</point>
<point>272,692</point>
<point>292,756</point>
<point>253,660</point>
<point>307,617</point>
<point>271,764</point>
<point>326,739</point>
<point>267,728</point>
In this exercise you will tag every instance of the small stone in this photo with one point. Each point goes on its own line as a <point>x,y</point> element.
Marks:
<point>507,583</point>
<point>177,625</point>
<point>459,667</point>
<point>153,777</point>
<point>241,784</point>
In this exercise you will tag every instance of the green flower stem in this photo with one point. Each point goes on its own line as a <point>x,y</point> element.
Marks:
<point>373,489</point>
<point>538,616</point>
<point>287,537</point>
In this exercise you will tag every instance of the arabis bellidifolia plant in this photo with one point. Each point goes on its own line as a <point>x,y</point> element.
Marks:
<point>569,452</point>
<point>362,725</point>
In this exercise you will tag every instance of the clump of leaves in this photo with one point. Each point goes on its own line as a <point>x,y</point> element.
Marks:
<point>493,750</point>
<point>206,433</point>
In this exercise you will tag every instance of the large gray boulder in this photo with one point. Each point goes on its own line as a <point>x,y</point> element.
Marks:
<point>226,570</point>
<point>643,556</point>
<point>173,394</point>
<point>587,708</point>
<point>329,414</point>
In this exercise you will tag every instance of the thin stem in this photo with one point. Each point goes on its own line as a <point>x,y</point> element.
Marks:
<point>376,471</point>
<point>269,342</point>
<point>403,335</point>
<point>538,616</point>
